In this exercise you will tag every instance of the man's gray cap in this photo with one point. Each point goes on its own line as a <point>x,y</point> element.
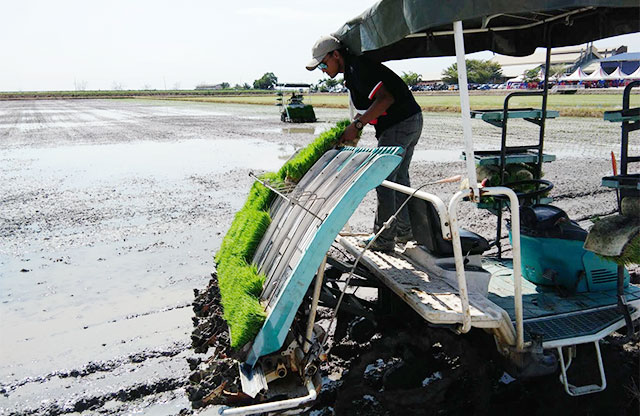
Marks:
<point>323,46</point>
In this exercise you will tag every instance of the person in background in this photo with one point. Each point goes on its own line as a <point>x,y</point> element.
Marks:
<point>383,100</point>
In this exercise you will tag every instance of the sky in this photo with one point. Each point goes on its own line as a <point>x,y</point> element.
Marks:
<point>156,44</point>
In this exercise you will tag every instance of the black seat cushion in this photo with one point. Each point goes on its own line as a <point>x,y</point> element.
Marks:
<point>425,224</point>
<point>541,217</point>
<point>550,222</point>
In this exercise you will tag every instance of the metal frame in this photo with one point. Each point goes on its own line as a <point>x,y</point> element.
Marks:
<point>286,296</point>
<point>627,127</point>
<point>450,216</point>
<point>437,202</point>
<point>314,305</point>
<point>581,390</point>
<point>465,110</point>
<point>485,23</point>
<point>504,148</point>
<point>594,337</point>
<point>273,406</point>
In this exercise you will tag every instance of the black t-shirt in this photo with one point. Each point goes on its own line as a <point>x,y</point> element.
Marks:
<point>363,78</point>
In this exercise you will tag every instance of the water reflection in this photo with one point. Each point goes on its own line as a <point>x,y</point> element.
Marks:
<point>163,161</point>
<point>299,130</point>
<point>286,130</point>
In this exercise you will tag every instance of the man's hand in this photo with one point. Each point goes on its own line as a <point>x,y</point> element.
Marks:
<point>349,136</point>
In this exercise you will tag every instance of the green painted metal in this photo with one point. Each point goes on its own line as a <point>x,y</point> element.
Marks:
<point>566,265</point>
<point>377,166</point>
<point>526,113</point>
<point>619,116</point>
<point>622,181</point>
<point>540,301</point>
<point>524,157</point>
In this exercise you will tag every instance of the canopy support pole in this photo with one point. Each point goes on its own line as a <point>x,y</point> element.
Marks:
<point>465,110</point>
<point>545,95</point>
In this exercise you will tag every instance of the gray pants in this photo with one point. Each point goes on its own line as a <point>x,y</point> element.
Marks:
<point>404,134</point>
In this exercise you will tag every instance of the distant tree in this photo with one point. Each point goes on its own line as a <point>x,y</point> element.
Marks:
<point>411,78</point>
<point>557,71</point>
<point>224,85</point>
<point>267,82</point>
<point>176,86</point>
<point>532,75</point>
<point>146,87</point>
<point>246,86</point>
<point>326,84</point>
<point>117,86</point>
<point>478,72</point>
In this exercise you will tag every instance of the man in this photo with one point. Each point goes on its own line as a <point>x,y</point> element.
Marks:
<point>383,100</point>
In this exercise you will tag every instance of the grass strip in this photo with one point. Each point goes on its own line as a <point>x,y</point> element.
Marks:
<point>239,280</point>
<point>587,104</point>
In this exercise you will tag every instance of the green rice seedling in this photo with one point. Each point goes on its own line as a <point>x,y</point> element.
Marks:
<point>246,322</point>
<point>630,253</point>
<point>240,276</point>
<point>616,238</point>
<point>240,286</point>
<point>514,172</point>
<point>259,197</point>
<point>296,167</point>
<point>245,234</point>
<point>252,213</point>
<point>240,282</point>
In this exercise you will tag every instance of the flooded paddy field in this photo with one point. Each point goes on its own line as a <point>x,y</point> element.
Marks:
<point>111,211</point>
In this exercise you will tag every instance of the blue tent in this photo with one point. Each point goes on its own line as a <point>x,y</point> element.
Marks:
<point>628,62</point>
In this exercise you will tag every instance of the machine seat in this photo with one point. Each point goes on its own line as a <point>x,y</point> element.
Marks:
<point>425,223</point>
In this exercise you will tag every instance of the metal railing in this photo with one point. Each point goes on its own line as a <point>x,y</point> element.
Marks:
<point>451,231</point>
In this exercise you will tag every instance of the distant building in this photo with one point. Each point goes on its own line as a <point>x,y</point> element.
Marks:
<point>209,87</point>
<point>586,57</point>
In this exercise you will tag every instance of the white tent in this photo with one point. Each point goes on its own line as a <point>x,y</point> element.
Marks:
<point>578,75</point>
<point>597,75</point>
<point>634,75</point>
<point>617,74</point>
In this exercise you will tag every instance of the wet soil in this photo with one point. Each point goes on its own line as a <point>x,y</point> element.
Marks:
<point>409,368</point>
<point>111,211</point>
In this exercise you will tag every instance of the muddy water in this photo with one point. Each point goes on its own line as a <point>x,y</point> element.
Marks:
<point>111,210</point>
<point>103,239</point>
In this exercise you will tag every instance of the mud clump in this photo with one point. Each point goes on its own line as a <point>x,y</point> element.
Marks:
<point>210,327</point>
<point>214,380</point>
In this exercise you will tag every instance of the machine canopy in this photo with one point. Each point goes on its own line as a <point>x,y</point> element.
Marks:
<point>401,29</point>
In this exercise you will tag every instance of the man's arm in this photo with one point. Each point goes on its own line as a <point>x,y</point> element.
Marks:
<point>382,102</point>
